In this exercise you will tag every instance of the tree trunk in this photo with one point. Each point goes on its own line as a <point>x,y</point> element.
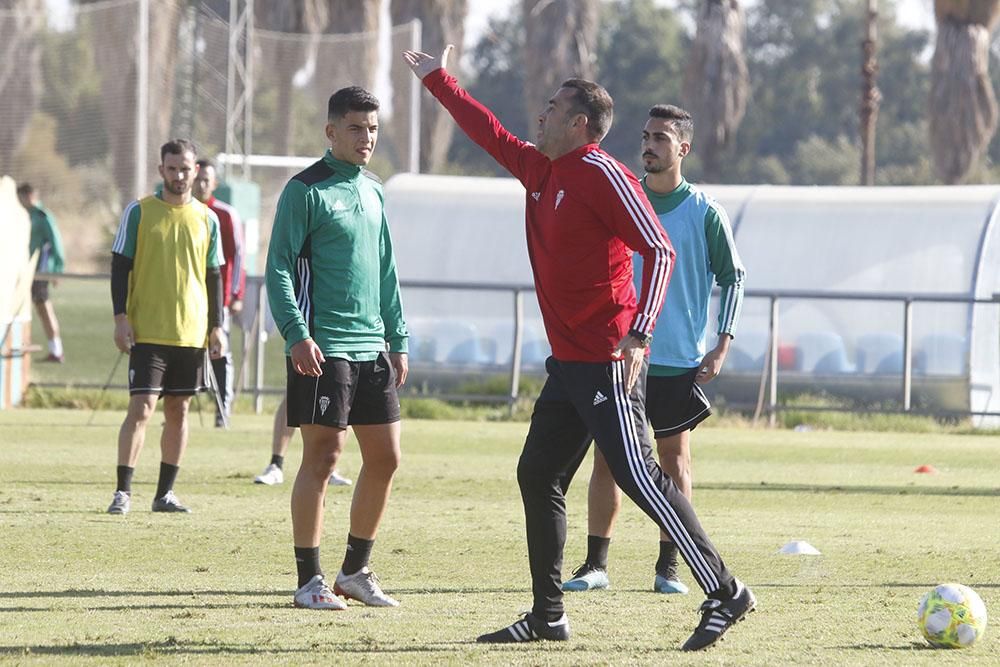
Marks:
<point>560,39</point>
<point>716,81</point>
<point>963,106</point>
<point>442,23</point>
<point>20,73</point>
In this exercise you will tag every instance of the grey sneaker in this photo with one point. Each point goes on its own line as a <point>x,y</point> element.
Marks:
<point>363,586</point>
<point>316,594</point>
<point>120,504</point>
<point>169,503</point>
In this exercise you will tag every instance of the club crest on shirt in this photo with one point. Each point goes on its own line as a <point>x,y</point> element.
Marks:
<point>536,195</point>
<point>559,197</point>
<point>324,403</point>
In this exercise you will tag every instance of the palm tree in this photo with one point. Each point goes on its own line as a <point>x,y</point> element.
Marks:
<point>20,72</point>
<point>442,22</point>
<point>963,106</point>
<point>559,43</point>
<point>716,80</point>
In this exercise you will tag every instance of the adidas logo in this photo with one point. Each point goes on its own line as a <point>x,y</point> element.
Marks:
<point>324,403</point>
<point>599,397</point>
<point>536,195</point>
<point>559,197</point>
<point>339,206</point>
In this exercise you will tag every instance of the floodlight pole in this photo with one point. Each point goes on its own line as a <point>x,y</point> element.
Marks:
<point>239,83</point>
<point>870,94</point>
<point>416,90</point>
<point>142,100</point>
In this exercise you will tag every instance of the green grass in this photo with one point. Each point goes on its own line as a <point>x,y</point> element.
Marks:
<point>81,587</point>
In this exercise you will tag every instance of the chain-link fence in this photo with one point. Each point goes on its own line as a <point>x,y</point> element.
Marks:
<point>90,92</point>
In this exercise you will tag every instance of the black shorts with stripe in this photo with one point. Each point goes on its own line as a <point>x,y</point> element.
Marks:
<point>348,392</point>
<point>675,404</point>
<point>165,370</point>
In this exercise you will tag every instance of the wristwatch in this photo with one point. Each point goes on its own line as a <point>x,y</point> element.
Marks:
<point>643,338</point>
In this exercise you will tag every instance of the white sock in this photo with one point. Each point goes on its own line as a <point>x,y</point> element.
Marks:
<point>55,346</point>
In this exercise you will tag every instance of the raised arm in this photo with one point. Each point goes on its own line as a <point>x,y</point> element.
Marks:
<point>516,156</point>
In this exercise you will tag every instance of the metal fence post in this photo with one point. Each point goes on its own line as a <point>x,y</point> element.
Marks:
<point>907,353</point>
<point>772,400</point>
<point>515,357</point>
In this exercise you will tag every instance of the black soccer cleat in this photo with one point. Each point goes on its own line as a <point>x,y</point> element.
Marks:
<point>529,629</point>
<point>717,616</point>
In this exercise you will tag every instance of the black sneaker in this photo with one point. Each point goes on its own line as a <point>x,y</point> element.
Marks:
<point>717,616</point>
<point>529,629</point>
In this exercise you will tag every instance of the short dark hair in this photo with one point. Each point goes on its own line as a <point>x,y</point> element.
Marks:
<point>205,162</point>
<point>352,98</point>
<point>178,147</point>
<point>679,118</point>
<point>594,102</point>
<point>25,189</point>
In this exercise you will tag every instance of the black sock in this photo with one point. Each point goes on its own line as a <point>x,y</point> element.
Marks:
<point>597,551</point>
<point>358,552</point>
<point>277,460</point>
<point>667,562</point>
<point>125,479</point>
<point>725,592</point>
<point>168,475</point>
<point>307,564</point>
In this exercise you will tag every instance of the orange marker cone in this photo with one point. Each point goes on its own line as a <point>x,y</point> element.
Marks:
<point>926,469</point>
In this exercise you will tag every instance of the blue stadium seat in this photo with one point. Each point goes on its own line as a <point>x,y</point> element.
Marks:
<point>747,352</point>
<point>823,352</point>
<point>880,353</point>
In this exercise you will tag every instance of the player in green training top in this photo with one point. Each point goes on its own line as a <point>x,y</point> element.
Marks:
<point>679,358</point>
<point>331,280</point>
<point>46,240</point>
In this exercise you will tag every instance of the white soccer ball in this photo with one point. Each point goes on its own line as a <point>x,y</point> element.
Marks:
<point>952,616</point>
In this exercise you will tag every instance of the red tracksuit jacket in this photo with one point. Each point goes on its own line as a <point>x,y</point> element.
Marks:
<point>585,213</point>
<point>231,234</point>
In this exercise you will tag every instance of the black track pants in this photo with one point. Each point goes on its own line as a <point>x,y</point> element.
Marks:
<point>581,401</point>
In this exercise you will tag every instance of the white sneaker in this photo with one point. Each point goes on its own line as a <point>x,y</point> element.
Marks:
<point>272,475</point>
<point>363,586</point>
<point>336,479</point>
<point>316,594</point>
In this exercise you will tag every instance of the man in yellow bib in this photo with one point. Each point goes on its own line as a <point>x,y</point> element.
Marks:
<point>166,289</point>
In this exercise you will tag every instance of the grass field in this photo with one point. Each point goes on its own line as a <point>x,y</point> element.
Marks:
<point>81,587</point>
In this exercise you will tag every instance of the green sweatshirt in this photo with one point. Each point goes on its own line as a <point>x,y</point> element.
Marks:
<point>46,239</point>
<point>331,274</point>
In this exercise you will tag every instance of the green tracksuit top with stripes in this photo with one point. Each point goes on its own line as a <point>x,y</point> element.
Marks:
<point>331,274</point>
<point>701,234</point>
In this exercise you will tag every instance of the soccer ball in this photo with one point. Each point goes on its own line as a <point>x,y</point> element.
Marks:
<point>952,616</point>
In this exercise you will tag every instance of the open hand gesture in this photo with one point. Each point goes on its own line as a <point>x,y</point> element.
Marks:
<point>423,64</point>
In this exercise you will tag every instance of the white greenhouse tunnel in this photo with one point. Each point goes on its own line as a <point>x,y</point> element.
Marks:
<point>886,241</point>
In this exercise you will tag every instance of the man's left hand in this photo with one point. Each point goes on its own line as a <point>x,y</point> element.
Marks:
<point>633,351</point>
<point>217,343</point>
<point>236,306</point>
<point>400,364</point>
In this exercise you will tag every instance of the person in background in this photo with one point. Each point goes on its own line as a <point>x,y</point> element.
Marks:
<point>46,240</point>
<point>233,277</point>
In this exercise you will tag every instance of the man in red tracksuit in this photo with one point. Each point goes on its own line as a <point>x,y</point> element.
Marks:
<point>585,214</point>
<point>233,275</point>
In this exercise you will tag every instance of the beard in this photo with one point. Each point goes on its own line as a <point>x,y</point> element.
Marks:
<point>175,189</point>
<point>653,167</point>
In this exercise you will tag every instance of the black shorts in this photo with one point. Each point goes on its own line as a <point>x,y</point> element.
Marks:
<point>166,369</point>
<point>348,392</point>
<point>40,291</point>
<point>675,404</point>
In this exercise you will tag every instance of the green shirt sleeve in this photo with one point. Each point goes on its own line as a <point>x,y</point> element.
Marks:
<point>56,255</point>
<point>128,230</point>
<point>391,306</point>
<point>725,263</point>
<point>288,235</point>
<point>215,257</point>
